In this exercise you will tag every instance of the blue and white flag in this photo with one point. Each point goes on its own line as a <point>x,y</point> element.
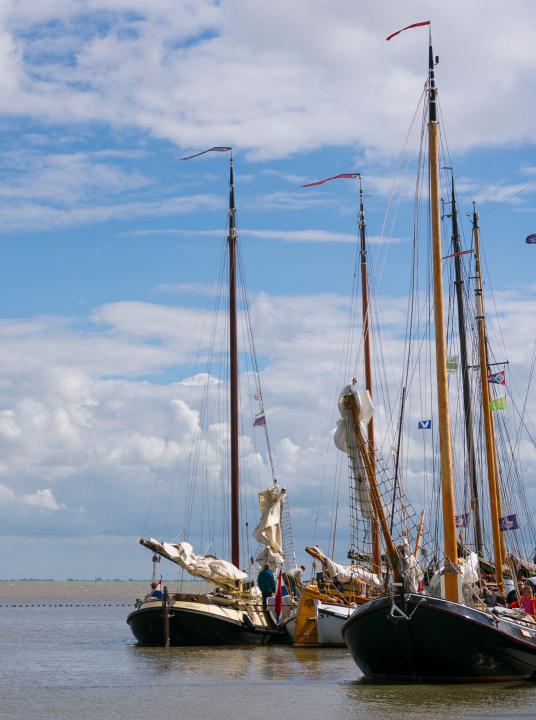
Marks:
<point>531,240</point>
<point>424,424</point>
<point>508,522</point>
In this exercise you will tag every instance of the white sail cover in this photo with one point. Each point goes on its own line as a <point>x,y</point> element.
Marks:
<point>345,440</point>
<point>268,531</point>
<point>343,573</point>
<point>469,575</point>
<point>209,567</point>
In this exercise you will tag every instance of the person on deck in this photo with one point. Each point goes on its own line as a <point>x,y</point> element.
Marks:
<point>155,594</point>
<point>527,602</point>
<point>266,583</point>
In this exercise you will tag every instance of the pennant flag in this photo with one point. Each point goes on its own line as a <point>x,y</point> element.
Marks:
<point>278,598</point>
<point>498,404</point>
<point>452,363</point>
<point>531,240</point>
<point>497,378</point>
<point>417,24</point>
<point>335,177</point>
<point>462,521</point>
<point>508,522</point>
<point>424,425</point>
<point>259,420</point>
<point>462,252</point>
<point>204,152</point>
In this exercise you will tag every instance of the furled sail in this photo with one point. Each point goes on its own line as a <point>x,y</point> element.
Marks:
<point>342,573</point>
<point>346,441</point>
<point>268,531</point>
<point>209,567</point>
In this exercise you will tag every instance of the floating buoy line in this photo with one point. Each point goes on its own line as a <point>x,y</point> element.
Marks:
<point>63,605</point>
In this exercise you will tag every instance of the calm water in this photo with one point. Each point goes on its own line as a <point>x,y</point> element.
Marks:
<point>81,663</point>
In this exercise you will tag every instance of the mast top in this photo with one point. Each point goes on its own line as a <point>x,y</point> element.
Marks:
<point>431,81</point>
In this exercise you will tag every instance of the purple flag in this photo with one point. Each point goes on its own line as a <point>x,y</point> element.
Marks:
<point>462,521</point>
<point>508,522</point>
<point>531,240</point>
<point>259,420</point>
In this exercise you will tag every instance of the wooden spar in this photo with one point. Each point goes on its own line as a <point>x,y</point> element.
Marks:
<point>445,443</point>
<point>376,539</point>
<point>486,410</point>
<point>233,360</point>
<point>166,616</point>
<point>418,541</point>
<point>375,495</point>
<point>466,381</point>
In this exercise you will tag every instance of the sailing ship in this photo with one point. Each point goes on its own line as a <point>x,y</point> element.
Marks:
<point>232,612</point>
<point>326,604</point>
<point>407,634</point>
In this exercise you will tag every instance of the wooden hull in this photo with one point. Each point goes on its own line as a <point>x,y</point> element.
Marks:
<point>427,639</point>
<point>203,623</point>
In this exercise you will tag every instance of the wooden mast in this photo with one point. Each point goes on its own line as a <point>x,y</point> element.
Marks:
<point>376,538</point>
<point>233,367</point>
<point>486,410</point>
<point>466,381</point>
<point>445,444</point>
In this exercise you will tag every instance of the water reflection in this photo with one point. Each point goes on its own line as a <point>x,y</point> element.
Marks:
<point>496,700</point>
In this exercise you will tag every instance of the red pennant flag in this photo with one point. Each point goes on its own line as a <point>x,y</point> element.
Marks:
<point>278,598</point>
<point>418,24</point>
<point>462,252</point>
<point>335,177</point>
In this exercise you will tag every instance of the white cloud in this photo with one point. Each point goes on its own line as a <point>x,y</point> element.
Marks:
<point>84,412</point>
<point>313,78</point>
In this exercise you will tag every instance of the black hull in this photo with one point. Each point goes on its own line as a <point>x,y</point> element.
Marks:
<point>197,627</point>
<point>427,639</point>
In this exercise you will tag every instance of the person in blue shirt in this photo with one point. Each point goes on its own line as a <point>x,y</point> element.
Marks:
<point>266,583</point>
<point>154,594</point>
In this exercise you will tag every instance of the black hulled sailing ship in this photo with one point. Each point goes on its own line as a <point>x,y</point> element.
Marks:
<point>412,636</point>
<point>232,612</point>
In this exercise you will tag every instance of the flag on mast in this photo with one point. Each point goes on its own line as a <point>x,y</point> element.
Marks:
<point>508,522</point>
<point>259,419</point>
<point>278,598</point>
<point>408,27</point>
<point>498,403</point>
<point>498,378</point>
<point>217,148</point>
<point>334,177</point>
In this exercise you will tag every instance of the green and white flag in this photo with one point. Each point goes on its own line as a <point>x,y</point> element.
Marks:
<point>498,403</point>
<point>452,363</point>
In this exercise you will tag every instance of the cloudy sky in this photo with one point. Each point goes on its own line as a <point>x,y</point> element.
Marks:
<point>111,246</point>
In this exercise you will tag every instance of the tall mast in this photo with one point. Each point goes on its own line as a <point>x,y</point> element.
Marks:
<point>486,410</point>
<point>466,381</point>
<point>376,544</point>
<point>233,357</point>
<point>445,444</point>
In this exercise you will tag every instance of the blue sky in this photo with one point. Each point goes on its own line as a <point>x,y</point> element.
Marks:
<point>110,243</point>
